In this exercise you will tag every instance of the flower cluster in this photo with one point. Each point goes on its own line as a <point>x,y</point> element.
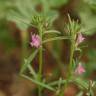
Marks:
<point>80,69</point>
<point>80,39</point>
<point>35,41</point>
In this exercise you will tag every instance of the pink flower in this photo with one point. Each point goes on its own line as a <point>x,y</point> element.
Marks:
<point>80,39</point>
<point>35,41</point>
<point>80,69</point>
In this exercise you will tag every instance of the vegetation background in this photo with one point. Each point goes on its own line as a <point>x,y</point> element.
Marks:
<point>15,15</point>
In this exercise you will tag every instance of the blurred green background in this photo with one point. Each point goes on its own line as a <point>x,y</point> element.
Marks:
<point>15,29</point>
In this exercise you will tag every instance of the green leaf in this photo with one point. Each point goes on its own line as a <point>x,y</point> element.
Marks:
<point>91,92</point>
<point>39,83</point>
<point>59,83</point>
<point>23,11</point>
<point>20,21</point>
<point>55,38</point>
<point>32,71</point>
<point>51,16</point>
<point>73,27</point>
<point>80,93</point>
<point>56,82</point>
<point>51,32</point>
<point>28,61</point>
<point>81,83</point>
<point>5,6</point>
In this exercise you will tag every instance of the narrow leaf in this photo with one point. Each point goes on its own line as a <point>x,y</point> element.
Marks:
<point>80,93</point>
<point>55,38</point>
<point>39,83</point>
<point>28,61</point>
<point>56,82</point>
<point>82,83</point>
<point>32,71</point>
<point>51,31</point>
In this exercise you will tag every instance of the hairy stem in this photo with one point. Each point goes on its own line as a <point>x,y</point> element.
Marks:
<point>40,63</point>
<point>71,57</point>
<point>70,66</point>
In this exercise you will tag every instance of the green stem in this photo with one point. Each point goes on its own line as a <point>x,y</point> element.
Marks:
<point>40,71</point>
<point>70,66</point>
<point>71,58</point>
<point>40,63</point>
